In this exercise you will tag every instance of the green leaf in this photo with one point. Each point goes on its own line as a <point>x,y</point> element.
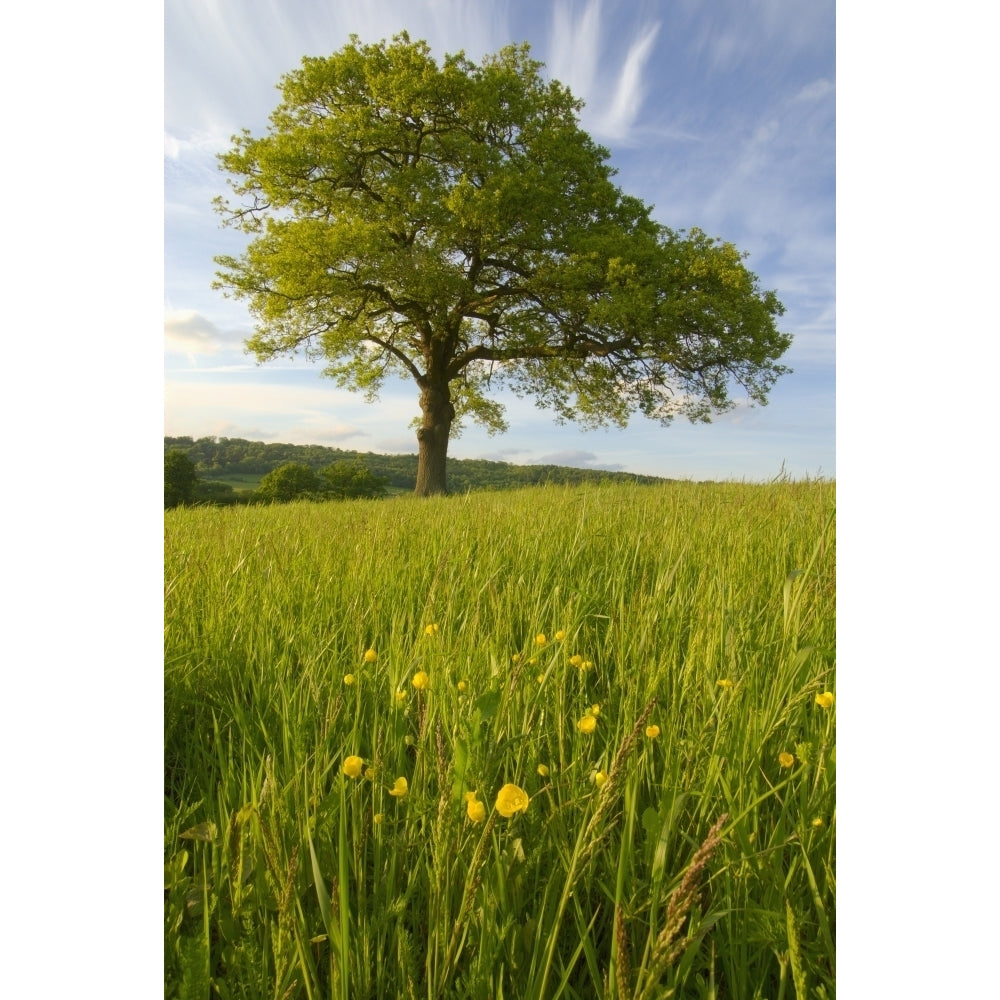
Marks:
<point>203,831</point>
<point>488,704</point>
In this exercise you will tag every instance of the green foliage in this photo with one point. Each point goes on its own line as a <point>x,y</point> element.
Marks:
<point>352,480</point>
<point>453,224</point>
<point>288,482</point>
<point>179,479</point>
<point>217,493</point>
<point>285,876</point>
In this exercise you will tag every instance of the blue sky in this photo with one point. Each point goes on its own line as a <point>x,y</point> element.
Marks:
<point>720,115</point>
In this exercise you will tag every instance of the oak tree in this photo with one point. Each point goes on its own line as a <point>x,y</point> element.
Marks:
<point>453,224</point>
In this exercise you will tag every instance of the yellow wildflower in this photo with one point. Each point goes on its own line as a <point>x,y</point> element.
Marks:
<point>540,639</point>
<point>576,659</point>
<point>462,686</point>
<point>543,770</point>
<point>421,681</point>
<point>785,759</point>
<point>431,630</point>
<point>818,821</point>
<point>540,678</point>
<point>586,665</point>
<point>652,732</point>
<point>560,635</point>
<point>594,710</point>
<point>587,724</point>
<point>400,788</point>
<point>474,809</point>
<point>725,683</point>
<point>371,656</point>
<point>600,778</point>
<point>825,700</point>
<point>377,818</point>
<point>352,766</point>
<point>516,658</point>
<point>348,679</point>
<point>511,800</point>
<point>399,697</point>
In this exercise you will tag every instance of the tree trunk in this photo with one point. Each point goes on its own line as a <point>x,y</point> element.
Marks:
<point>432,439</point>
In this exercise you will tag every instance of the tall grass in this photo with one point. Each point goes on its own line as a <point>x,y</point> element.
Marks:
<point>690,863</point>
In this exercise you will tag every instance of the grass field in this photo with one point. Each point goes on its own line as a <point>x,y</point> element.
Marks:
<point>535,744</point>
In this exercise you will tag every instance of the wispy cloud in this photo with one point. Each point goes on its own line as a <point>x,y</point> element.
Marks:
<point>618,120</point>
<point>612,88</point>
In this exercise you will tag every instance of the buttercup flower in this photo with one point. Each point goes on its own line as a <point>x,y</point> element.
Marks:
<point>352,766</point>
<point>371,656</point>
<point>474,809</point>
<point>818,821</point>
<point>586,665</point>
<point>348,679</point>
<point>560,635</point>
<point>600,778</point>
<point>399,697</point>
<point>576,659</point>
<point>587,724</point>
<point>462,686</point>
<point>421,681</point>
<point>725,683</point>
<point>399,788</point>
<point>540,678</point>
<point>516,658</point>
<point>825,700</point>
<point>540,639</point>
<point>594,710</point>
<point>786,759</point>
<point>543,770</point>
<point>511,800</point>
<point>431,630</point>
<point>652,732</point>
<point>377,818</point>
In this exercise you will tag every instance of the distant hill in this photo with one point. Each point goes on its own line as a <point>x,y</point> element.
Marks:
<point>236,459</point>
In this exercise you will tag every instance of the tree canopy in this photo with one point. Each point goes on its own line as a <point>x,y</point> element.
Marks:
<point>453,224</point>
<point>180,479</point>
<point>288,482</point>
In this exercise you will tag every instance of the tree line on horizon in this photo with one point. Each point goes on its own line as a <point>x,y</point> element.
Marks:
<point>212,458</point>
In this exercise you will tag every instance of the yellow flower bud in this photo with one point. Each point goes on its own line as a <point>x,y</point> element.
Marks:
<point>475,810</point>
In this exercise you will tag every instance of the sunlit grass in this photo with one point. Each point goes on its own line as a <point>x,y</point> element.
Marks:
<point>640,662</point>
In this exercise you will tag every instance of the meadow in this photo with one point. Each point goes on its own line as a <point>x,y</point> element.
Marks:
<point>558,742</point>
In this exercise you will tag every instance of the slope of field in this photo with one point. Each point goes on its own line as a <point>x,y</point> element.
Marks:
<point>557,742</point>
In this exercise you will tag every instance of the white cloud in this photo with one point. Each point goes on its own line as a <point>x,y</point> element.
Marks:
<point>579,57</point>
<point>631,90</point>
<point>186,331</point>
<point>815,91</point>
